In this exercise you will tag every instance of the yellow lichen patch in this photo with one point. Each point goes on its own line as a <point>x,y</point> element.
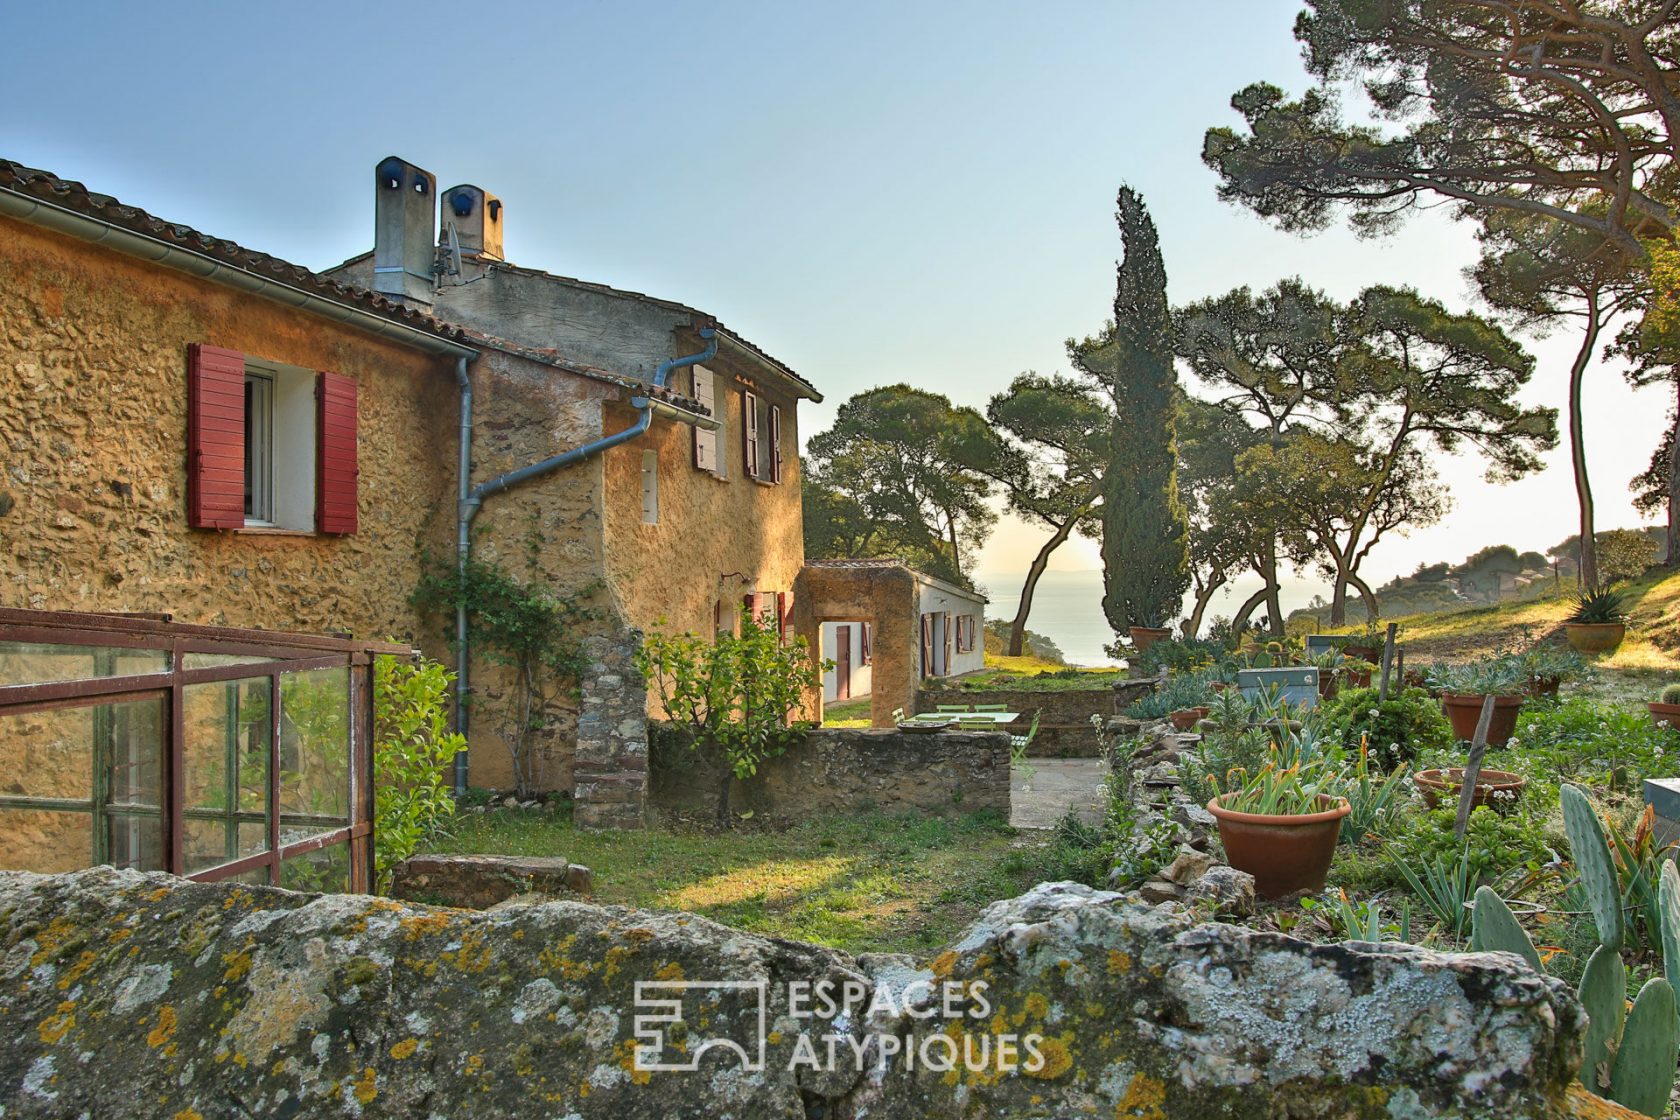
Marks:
<point>158,895</point>
<point>672,971</point>
<point>405,1049</point>
<point>475,1062</point>
<point>367,1085</point>
<point>1144,1100</point>
<point>638,936</point>
<point>47,942</point>
<point>472,956</point>
<point>164,1030</point>
<point>189,1114</point>
<point>1035,1005</point>
<point>237,897</point>
<point>1056,1060</point>
<point>416,926</point>
<point>944,963</point>
<point>76,970</point>
<point>625,1052</point>
<point>615,961</point>
<point>1584,1105</point>
<point>1119,963</point>
<point>238,964</point>
<point>55,1027</point>
<point>120,935</point>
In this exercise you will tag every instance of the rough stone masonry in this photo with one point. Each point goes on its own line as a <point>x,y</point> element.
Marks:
<point>124,994</point>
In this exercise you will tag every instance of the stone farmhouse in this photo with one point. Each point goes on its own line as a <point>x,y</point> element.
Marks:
<point>201,430</point>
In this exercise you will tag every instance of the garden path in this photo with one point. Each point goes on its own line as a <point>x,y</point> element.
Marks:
<point>1055,785</point>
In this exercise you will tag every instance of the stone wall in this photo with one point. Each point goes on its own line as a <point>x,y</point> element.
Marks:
<point>612,737</point>
<point>93,511</point>
<point>130,994</point>
<point>1064,724</point>
<point>838,770</point>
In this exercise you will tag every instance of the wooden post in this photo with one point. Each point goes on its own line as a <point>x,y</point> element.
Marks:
<point>1387,660</point>
<point>1473,769</point>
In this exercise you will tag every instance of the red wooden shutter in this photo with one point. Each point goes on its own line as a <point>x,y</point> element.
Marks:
<point>863,644</point>
<point>945,627</point>
<point>335,468</point>
<point>927,645</point>
<point>775,443</point>
<point>215,437</point>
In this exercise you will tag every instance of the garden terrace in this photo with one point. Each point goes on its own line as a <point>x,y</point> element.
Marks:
<point>209,752</point>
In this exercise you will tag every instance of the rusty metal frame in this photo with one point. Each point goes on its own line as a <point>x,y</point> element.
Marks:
<point>280,654</point>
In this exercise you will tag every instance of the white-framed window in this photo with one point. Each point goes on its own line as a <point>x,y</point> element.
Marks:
<point>280,446</point>
<point>650,487</point>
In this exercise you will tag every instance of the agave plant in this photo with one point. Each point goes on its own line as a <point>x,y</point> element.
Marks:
<point>1597,608</point>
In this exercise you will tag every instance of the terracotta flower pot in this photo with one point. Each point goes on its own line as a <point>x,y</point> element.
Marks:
<point>1186,718</point>
<point>1145,636</point>
<point>1464,709</point>
<point>1664,713</point>
<point>1284,853</point>
<point>1595,637</point>
<point>1363,653</point>
<point>1496,788</point>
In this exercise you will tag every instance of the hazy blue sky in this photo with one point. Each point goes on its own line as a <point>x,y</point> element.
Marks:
<point>872,192</point>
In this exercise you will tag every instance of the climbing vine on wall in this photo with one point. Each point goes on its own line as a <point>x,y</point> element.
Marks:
<point>519,623</point>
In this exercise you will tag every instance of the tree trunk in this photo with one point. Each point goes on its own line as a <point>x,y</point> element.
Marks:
<point>1372,608</point>
<point>1240,619</point>
<point>1338,599</point>
<point>1673,557</point>
<point>1193,625</point>
<point>1268,572</point>
<point>1018,628</point>
<point>1578,448</point>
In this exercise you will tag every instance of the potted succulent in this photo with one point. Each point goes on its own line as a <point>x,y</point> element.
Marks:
<point>1281,825</point>
<point>1145,636</point>
<point>1463,688</point>
<point>1367,646</point>
<point>1665,710</point>
<point>1185,718</point>
<point>1598,623</point>
<point>1545,667</point>
<point>1498,789</point>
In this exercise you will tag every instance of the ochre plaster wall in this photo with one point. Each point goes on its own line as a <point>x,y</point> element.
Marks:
<point>93,376</point>
<point>885,597</point>
<point>715,539</point>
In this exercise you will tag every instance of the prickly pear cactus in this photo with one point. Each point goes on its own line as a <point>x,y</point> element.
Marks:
<point>1592,859</point>
<point>1493,928</point>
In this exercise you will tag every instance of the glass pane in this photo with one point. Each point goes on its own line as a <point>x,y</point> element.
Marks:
<point>40,663</point>
<point>217,660</point>
<point>106,762</point>
<point>325,869</point>
<point>31,840</point>
<point>314,753</point>
<point>225,770</point>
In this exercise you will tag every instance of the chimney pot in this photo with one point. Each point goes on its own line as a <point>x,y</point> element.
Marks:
<point>404,231</point>
<point>478,220</point>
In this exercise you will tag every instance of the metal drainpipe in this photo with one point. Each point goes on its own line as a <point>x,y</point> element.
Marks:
<point>462,550</point>
<point>472,499</point>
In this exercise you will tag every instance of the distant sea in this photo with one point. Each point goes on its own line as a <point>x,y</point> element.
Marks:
<point>1067,607</point>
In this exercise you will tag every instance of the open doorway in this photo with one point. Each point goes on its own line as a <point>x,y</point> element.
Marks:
<point>847,645</point>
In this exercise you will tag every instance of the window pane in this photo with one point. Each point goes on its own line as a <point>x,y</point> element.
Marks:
<point>31,840</point>
<point>325,869</point>
<point>217,660</point>
<point>40,663</point>
<point>314,753</point>
<point>225,770</point>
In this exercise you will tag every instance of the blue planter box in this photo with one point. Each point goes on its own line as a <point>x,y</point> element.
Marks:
<point>1296,684</point>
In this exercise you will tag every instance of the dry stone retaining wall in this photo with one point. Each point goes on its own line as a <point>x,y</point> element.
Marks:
<point>836,770</point>
<point>127,994</point>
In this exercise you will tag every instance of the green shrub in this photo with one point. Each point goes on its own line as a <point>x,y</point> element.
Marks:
<point>1395,730</point>
<point>1180,690</point>
<point>1177,655</point>
<point>1497,843</point>
<point>1582,740</point>
<point>413,750</point>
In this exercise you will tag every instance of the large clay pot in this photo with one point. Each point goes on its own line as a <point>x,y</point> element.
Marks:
<point>1363,653</point>
<point>1464,709</point>
<point>1595,637</point>
<point>1145,636</point>
<point>1665,713</point>
<point>1496,788</point>
<point>1286,854</point>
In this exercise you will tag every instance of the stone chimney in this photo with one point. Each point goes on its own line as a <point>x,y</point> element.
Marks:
<point>478,220</point>
<point>404,231</point>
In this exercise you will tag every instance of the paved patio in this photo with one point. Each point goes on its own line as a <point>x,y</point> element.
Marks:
<point>1056,785</point>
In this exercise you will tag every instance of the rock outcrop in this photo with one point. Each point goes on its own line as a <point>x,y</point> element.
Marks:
<point>124,994</point>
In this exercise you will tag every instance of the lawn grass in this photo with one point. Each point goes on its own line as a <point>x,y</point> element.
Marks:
<point>863,883</point>
<point>847,713</point>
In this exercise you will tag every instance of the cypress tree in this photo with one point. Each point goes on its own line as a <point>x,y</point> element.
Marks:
<point>1145,548</point>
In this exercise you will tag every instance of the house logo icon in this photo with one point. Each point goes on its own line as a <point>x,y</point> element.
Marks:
<point>663,1004</point>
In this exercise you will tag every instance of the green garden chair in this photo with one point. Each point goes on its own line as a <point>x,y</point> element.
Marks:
<point>976,725</point>
<point>1018,744</point>
<point>991,707</point>
<point>952,708</point>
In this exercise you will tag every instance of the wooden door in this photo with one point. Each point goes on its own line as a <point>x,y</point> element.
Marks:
<point>842,662</point>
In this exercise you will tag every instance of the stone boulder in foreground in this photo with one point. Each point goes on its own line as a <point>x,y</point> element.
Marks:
<point>124,994</point>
